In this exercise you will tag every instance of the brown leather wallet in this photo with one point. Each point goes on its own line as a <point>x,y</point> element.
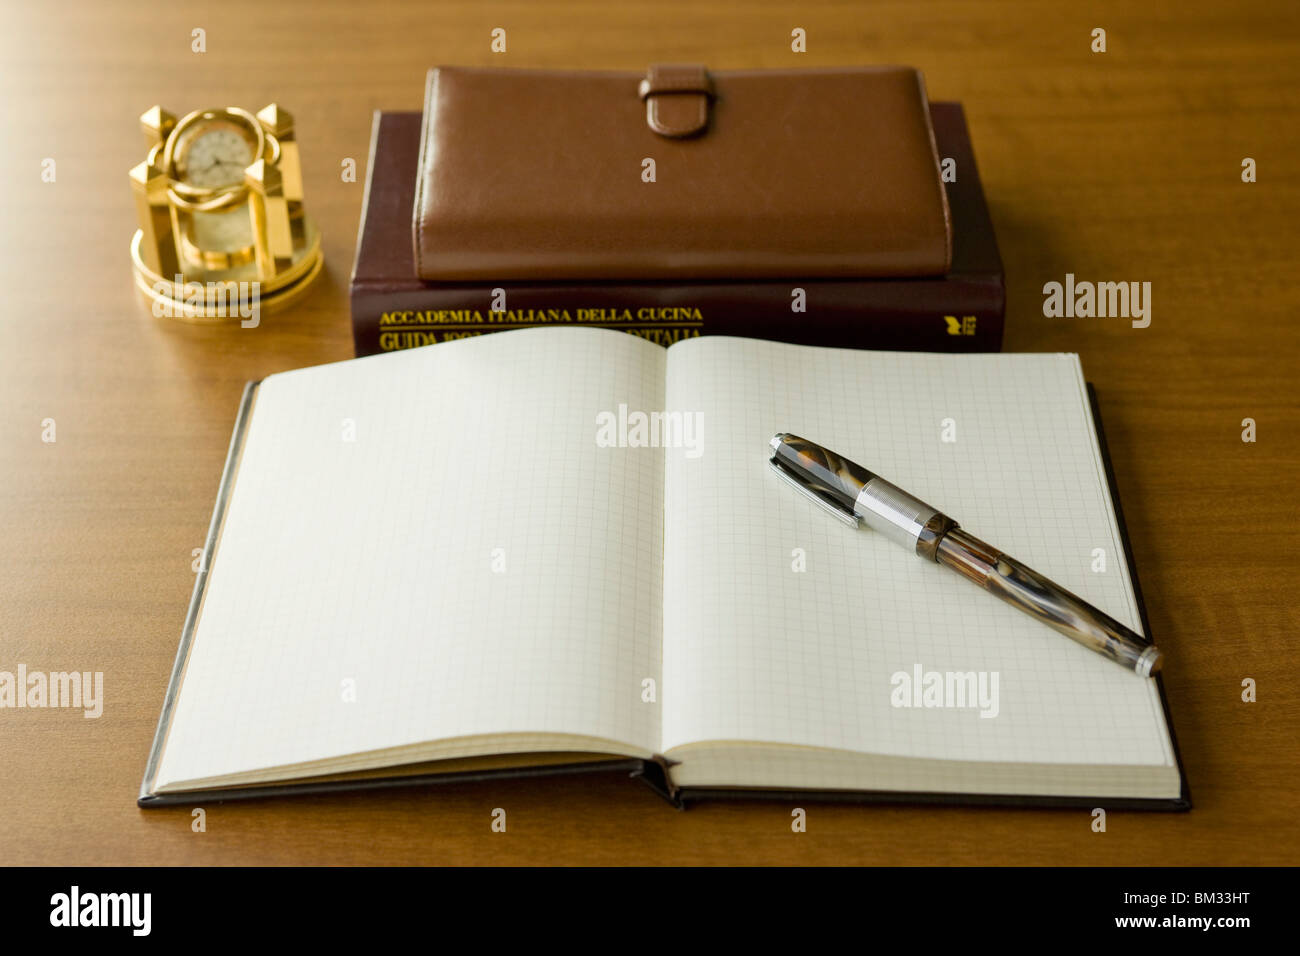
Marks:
<point>541,174</point>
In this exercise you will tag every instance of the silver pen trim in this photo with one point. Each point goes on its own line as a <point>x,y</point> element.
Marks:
<point>889,509</point>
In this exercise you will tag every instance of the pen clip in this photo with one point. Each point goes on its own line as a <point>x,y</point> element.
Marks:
<point>852,520</point>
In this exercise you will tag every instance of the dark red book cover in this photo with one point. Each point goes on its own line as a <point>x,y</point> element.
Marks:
<point>959,312</point>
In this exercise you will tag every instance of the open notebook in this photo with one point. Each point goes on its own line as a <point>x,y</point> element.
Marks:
<point>478,558</point>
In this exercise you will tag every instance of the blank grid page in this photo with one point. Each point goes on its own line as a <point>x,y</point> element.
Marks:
<point>756,650</point>
<point>438,531</point>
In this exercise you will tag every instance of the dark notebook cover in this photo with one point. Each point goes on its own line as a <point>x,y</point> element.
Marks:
<point>959,312</point>
<point>655,774</point>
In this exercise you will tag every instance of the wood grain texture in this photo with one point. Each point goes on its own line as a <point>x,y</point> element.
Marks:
<point>1117,166</point>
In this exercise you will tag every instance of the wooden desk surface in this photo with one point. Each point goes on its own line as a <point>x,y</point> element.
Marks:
<point>1117,166</point>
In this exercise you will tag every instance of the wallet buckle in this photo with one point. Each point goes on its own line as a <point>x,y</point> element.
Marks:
<point>677,98</point>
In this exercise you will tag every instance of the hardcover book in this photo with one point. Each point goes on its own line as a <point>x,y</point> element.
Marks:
<point>961,311</point>
<point>561,550</point>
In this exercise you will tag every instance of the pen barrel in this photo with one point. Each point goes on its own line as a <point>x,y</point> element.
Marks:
<point>1045,600</point>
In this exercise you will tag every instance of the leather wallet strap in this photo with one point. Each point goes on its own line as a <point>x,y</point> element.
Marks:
<point>676,99</point>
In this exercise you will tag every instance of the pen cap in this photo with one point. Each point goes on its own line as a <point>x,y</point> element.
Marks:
<point>860,493</point>
<point>835,480</point>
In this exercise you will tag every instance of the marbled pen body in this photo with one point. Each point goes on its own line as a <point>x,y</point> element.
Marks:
<point>1008,579</point>
<point>862,496</point>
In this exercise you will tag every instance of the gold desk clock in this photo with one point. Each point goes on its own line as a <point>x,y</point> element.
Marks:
<point>219,201</point>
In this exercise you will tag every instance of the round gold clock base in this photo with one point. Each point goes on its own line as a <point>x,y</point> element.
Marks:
<point>226,295</point>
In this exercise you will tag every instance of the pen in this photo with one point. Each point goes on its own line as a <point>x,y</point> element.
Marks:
<point>857,496</point>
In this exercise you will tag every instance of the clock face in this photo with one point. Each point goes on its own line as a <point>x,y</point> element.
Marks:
<point>215,154</point>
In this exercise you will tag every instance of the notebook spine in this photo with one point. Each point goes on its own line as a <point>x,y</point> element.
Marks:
<point>654,773</point>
